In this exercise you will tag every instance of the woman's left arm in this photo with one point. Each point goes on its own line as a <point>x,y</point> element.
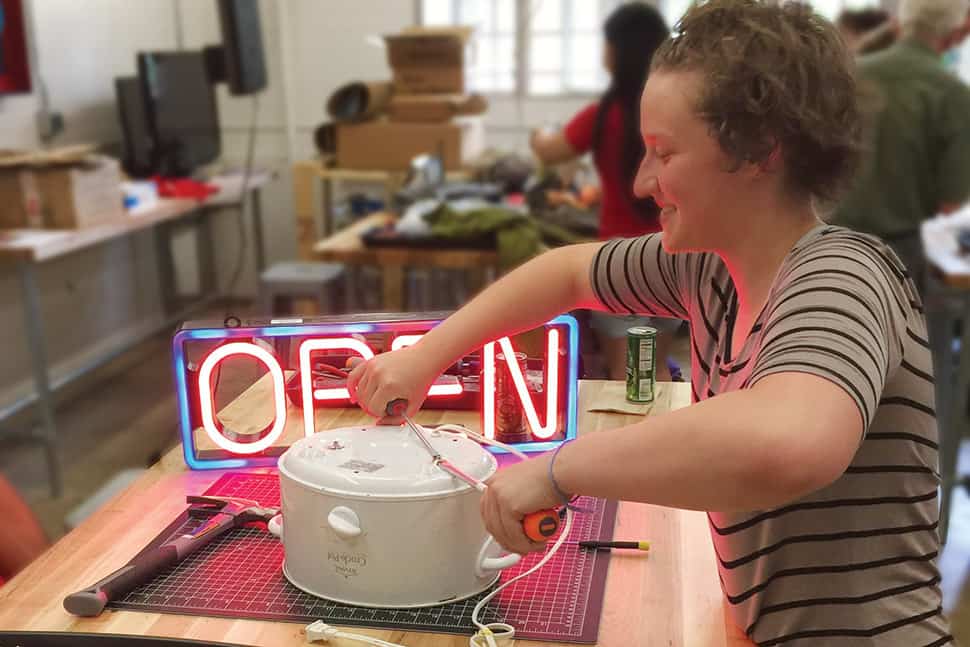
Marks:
<point>789,435</point>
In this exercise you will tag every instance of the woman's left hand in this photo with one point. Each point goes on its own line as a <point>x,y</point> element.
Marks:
<point>513,492</point>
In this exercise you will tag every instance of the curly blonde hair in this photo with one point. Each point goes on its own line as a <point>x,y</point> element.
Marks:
<point>774,76</point>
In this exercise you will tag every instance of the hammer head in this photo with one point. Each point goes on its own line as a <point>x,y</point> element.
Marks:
<point>242,510</point>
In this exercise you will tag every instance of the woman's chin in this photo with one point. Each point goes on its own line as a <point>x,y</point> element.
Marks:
<point>669,242</point>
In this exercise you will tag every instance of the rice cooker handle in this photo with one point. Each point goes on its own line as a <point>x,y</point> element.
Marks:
<point>498,563</point>
<point>486,564</point>
<point>275,526</point>
<point>344,521</point>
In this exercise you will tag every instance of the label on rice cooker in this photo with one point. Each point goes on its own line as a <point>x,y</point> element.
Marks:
<point>347,564</point>
<point>361,466</point>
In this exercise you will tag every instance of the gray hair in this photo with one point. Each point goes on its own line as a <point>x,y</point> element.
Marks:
<point>932,18</point>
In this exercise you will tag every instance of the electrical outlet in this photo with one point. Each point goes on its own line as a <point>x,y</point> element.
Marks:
<point>50,123</point>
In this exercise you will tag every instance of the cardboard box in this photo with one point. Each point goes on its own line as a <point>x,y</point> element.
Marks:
<point>432,108</point>
<point>428,59</point>
<point>60,189</point>
<point>390,146</point>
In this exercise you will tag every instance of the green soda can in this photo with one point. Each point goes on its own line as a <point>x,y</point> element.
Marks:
<point>641,355</point>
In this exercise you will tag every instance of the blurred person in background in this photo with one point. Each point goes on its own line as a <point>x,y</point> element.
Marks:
<point>609,128</point>
<point>867,30</point>
<point>917,162</point>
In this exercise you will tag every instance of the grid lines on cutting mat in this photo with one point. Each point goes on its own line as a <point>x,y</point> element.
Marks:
<point>560,602</point>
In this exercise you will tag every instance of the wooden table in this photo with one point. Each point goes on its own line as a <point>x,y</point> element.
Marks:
<point>346,247</point>
<point>25,249</point>
<point>947,303</point>
<point>667,597</point>
<point>323,172</point>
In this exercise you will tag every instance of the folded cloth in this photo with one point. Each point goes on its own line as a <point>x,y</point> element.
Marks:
<point>519,236</point>
<point>612,399</point>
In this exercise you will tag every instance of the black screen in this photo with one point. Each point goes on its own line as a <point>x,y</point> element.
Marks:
<point>243,45</point>
<point>136,130</point>
<point>182,106</point>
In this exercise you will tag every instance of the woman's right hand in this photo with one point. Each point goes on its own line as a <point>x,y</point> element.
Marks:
<point>401,374</point>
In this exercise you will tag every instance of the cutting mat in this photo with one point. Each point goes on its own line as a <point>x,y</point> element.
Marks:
<point>240,575</point>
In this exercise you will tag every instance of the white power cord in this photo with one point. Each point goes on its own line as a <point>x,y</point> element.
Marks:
<point>320,631</point>
<point>489,634</point>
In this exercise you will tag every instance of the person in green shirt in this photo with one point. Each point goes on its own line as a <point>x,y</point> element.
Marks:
<point>918,136</point>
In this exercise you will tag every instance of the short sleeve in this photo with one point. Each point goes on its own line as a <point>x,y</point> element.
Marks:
<point>954,139</point>
<point>636,276</point>
<point>579,131</point>
<point>840,315</point>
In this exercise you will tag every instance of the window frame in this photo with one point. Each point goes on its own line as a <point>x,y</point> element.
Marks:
<point>522,39</point>
<point>521,57</point>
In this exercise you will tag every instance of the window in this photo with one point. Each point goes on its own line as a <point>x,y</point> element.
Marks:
<point>562,51</point>
<point>831,8</point>
<point>492,63</point>
<point>557,42</point>
<point>672,10</point>
<point>566,46</point>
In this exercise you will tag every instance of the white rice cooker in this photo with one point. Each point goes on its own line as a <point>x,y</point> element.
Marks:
<point>370,520</point>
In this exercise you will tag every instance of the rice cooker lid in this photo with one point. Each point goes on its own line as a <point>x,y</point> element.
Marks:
<point>384,461</point>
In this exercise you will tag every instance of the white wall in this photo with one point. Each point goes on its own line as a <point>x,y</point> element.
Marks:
<point>92,299</point>
<point>88,297</point>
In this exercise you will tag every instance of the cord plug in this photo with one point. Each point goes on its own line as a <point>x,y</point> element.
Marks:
<point>320,631</point>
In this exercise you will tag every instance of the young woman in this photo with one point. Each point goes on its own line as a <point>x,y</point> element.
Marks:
<point>812,440</point>
<point>609,128</point>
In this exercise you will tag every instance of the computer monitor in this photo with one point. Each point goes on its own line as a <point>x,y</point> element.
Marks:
<point>182,110</point>
<point>138,142</point>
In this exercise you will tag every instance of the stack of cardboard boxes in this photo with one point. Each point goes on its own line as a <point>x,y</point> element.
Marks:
<point>66,188</point>
<point>429,111</point>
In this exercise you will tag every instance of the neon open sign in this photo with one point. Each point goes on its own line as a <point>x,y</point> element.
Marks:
<point>550,416</point>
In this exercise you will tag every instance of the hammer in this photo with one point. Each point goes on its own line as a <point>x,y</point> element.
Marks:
<point>225,513</point>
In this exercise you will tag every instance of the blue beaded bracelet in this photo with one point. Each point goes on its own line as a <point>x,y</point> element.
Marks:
<point>567,500</point>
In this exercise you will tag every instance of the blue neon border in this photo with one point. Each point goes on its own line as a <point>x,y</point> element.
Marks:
<point>572,386</point>
<point>304,330</point>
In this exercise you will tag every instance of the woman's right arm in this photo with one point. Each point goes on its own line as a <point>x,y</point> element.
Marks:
<point>527,297</point>
<point>552,147</point>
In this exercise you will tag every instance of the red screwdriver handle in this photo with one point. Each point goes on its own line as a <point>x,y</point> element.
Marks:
<point>540,526</point>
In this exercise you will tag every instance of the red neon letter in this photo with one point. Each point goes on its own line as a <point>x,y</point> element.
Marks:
<point>552,386</point>
<point>436,389</point>
<point>306,375</point>
<point>205,396</point>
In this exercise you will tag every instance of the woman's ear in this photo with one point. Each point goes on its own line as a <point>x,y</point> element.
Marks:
<point>772,163</point>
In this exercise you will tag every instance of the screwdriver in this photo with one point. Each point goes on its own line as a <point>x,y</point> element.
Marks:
<point>633,545</point>
<point>537,526</point>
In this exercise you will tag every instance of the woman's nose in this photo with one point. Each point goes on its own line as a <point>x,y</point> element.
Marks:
<point>645,183</point>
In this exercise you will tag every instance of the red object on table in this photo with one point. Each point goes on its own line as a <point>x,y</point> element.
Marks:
<point>170,187</point>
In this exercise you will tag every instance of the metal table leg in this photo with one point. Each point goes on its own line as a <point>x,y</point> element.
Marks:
<point>166,267</point>
<point>956,418</point>
<point>326,198</point>
<point>205,255</point>
<point>38,355</point>
<point>257,229</point>
<point>944,308</point>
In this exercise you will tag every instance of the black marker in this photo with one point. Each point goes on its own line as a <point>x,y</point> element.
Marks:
<point>634,545</point>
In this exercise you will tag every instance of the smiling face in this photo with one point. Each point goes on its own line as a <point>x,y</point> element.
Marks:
<point>684,169</point>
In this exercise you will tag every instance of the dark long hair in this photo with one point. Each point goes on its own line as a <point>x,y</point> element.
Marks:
<point>633,31</point>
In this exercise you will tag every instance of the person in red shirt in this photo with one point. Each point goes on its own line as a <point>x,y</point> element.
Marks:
<point>609,129</point>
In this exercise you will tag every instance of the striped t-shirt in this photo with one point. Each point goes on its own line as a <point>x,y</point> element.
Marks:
<point>855,562</point>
